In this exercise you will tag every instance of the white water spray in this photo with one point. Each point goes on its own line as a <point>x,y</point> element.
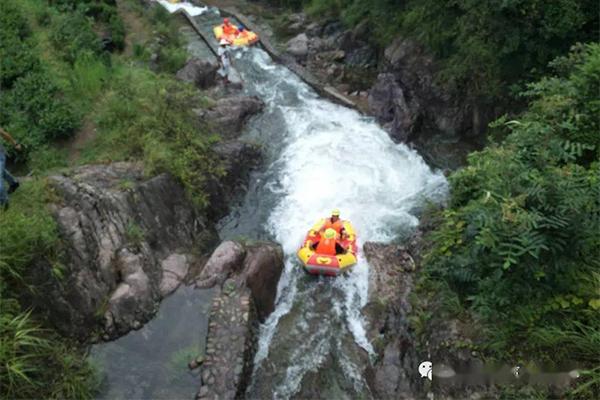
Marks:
<point>328,156</point>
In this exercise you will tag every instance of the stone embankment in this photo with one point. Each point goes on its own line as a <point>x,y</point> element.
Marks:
<point>246,277</point>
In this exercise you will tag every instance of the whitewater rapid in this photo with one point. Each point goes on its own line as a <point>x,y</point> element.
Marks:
<point>321,156</point>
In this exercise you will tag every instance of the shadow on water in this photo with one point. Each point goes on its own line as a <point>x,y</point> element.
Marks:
<point>152,362</point>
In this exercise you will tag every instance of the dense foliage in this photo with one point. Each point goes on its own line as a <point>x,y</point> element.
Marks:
<point>483,47</point>
<point>518,244</point>
<point>57,76</point>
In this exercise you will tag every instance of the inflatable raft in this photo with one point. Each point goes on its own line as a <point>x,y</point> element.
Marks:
<point>325,264</point>
<point>245,38</point>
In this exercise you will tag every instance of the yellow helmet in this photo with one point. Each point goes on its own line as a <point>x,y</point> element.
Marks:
<point>329,233</point>
<point>335,212</point>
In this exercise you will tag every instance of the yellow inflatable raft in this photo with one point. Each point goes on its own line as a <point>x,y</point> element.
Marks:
<point>326,264</point>
<point>244,38</point>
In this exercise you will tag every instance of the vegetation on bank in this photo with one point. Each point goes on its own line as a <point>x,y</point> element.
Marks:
<point>68,69</point>
<point>517,247</point>
<point>516,250</point>
<point>486,49</point>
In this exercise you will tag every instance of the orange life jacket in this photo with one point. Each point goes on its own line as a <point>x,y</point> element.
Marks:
<point>229,29</point>
<point>337,225</point>
<point>326,246</point>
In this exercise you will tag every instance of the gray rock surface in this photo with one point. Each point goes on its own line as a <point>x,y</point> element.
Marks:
<point>229,115</point>
<point>394,111</point>
<point>410,73</point>
<point>298,46</point>
<point>174,270</point>
<point>226,259</point>
<point>238,159</point>
<point>246,277</point>
<point>390,283</point>
<point>126,240</point>
<point>202,73</point>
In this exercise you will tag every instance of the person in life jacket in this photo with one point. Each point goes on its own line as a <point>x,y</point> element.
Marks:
<point>335,223</point>
<point>228,28</point>
<point>242,32</point>
<point>327,243</point>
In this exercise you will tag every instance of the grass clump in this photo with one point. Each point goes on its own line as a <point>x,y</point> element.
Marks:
<point>34,361</point>
<point>27,232</point>
<point>31,356</point>
<point>147,117</point>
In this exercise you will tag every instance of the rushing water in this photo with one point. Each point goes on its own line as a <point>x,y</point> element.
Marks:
<point>320,156</point>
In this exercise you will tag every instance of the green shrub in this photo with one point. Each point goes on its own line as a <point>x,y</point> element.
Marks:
<point>73,34</point>
<point>519,242</point>
<point>117,31</point>
<point>171,50</point>
<point>34,363</point>
<point>17,56</point>
<point>12,21</point>
<point>88,79</point>
<point>147,117</point>
<point>483,47</point>
<point>27,231</point>
<point>47,158</point>
<point>35,112</point>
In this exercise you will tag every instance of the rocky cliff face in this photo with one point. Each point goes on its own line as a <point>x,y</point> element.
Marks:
<point>127,242</point>
<point>394,374</point>
<point>398,85</point>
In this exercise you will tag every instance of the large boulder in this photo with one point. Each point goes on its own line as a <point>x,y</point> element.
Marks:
<point>298,46</point>
<point>393,109</point>
<point>202,73</point>
<point>229,115</point>
<point>127,242</point>
<point>390,283</point>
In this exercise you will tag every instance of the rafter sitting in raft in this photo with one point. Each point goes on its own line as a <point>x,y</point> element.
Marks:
<point>236,36</point>
<point>329,247</point>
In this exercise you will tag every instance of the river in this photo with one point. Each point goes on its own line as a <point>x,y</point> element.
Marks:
<point>318,156</point>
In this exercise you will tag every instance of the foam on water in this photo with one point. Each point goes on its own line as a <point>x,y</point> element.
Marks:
<point>184,5</point>
<point>328,156</point>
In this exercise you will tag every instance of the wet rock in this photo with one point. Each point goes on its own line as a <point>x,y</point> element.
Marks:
<point>314,29</point>
<point>226,259</point>
<point>117,227</point>
<point>294,24</point>
<point>442,109</point>
<point>248,276</point>
<point>202,73</point>
<point>332,28</point>
<point>175,268</point>
<point>238,159</point>
<point>298,46</point>
<point>391,107</point>
<point>387,311</point>
<point>229,115</point>
<point>262,270</point>
<point>364,56</point>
